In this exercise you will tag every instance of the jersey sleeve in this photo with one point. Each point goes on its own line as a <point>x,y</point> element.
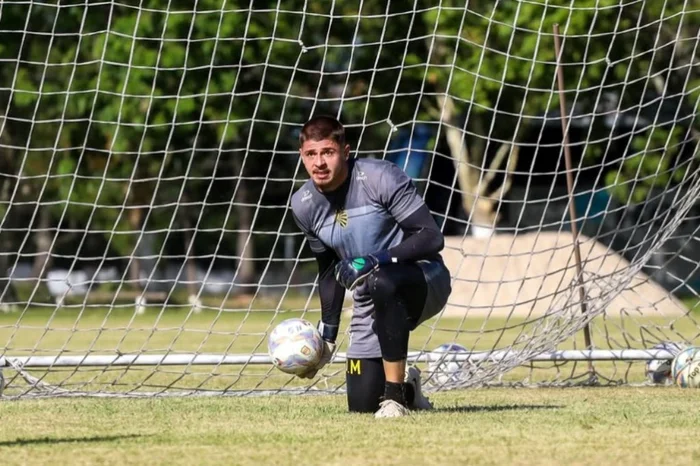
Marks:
<point>314,243</point>
<point>398,193</point>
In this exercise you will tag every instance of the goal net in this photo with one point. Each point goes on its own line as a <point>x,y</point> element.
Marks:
<point>148,155</point>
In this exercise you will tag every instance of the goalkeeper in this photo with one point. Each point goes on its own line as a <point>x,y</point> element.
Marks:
<point>372,234</point>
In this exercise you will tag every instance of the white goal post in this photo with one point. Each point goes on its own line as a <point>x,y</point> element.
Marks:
<point>148,153</point>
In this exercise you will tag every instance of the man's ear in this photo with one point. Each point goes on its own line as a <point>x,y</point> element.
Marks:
<point>347,151</point>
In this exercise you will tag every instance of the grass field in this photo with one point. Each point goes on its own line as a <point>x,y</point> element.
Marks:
<point>103,331</point>
<point>100,330</point>
<point>623,426</point>
<point>602,425</point>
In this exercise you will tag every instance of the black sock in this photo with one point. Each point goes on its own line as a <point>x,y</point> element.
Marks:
<point>395,391</point>
<point>410,393</point>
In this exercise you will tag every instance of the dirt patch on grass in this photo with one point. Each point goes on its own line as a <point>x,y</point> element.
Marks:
<point>529,274</point>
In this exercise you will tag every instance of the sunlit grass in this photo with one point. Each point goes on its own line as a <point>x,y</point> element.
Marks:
<point>623,426</point>
<point>242,328</point>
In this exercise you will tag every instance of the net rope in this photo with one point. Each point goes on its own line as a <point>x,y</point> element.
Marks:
<point>148,155</point>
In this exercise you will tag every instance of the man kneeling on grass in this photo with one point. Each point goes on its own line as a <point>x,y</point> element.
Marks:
<point>372,234</point>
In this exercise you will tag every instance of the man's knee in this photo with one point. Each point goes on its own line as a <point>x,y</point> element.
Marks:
<point>382,286</point>
<point>365,384</point>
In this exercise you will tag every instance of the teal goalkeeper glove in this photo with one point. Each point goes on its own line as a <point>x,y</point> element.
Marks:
<point>351,272</point>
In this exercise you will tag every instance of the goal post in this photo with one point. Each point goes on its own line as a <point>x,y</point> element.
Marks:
<point>415,356</point>
<point>148,154</point>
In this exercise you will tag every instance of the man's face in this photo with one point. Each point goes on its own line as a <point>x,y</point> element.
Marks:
<point>326,163</point>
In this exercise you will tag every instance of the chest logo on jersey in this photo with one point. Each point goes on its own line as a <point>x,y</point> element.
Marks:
<point>341,217</point>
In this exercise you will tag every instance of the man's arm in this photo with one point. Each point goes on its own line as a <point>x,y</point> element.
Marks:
<point>332,295</point>
<point>329,290</point>
<point>423,238</point>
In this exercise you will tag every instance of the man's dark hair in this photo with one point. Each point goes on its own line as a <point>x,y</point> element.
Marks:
<point>322,127</point>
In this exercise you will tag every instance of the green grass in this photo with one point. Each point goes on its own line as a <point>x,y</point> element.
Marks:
<point>692,303</point>
<point>624,426</point>
<point>100,330</point>
<point>601,425</point>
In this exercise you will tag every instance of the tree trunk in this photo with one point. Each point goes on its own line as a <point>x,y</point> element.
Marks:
<point>42,241</point>
<point>478,203</point>
<point>468,175</point>
<point>190,265</point>
<point>7,248</point>
<point>135,217</point>
<point>245,248</point>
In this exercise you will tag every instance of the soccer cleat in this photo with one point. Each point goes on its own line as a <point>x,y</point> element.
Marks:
<point>420,401</point>
<point>391,408</point>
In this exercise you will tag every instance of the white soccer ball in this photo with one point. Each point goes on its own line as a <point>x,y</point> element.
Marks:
<point>658,371</point>
<point>295,345</point>
<point>444,368</point>
<point>686,368</point>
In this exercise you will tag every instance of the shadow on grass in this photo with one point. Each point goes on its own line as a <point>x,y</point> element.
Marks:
<point>55,440</point>
<point>488,409</point>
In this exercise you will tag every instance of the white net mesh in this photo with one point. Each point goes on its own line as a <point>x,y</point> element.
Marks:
<point>148,155</point>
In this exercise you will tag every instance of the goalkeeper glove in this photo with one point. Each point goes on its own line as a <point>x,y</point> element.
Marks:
<point>351,272</point>
<point>329,333</point>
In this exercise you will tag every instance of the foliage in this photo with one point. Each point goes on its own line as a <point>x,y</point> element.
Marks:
<point>110,107</point>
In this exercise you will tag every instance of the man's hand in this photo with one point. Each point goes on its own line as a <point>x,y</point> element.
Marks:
<point>328,350</point>
<point>351,272</point>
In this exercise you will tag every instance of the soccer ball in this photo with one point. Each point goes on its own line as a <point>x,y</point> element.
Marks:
<point>295,345</point>
<point>686,368</point>
<point>658,371</point>
<point>443,367</point>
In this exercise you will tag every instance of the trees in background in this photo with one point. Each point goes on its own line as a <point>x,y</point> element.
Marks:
<point>129,121</point>
<point>153,133</point>
<point>488,74</point>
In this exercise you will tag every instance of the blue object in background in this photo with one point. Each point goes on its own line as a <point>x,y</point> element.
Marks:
<point>409,149</point>
<point>591,206</point>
